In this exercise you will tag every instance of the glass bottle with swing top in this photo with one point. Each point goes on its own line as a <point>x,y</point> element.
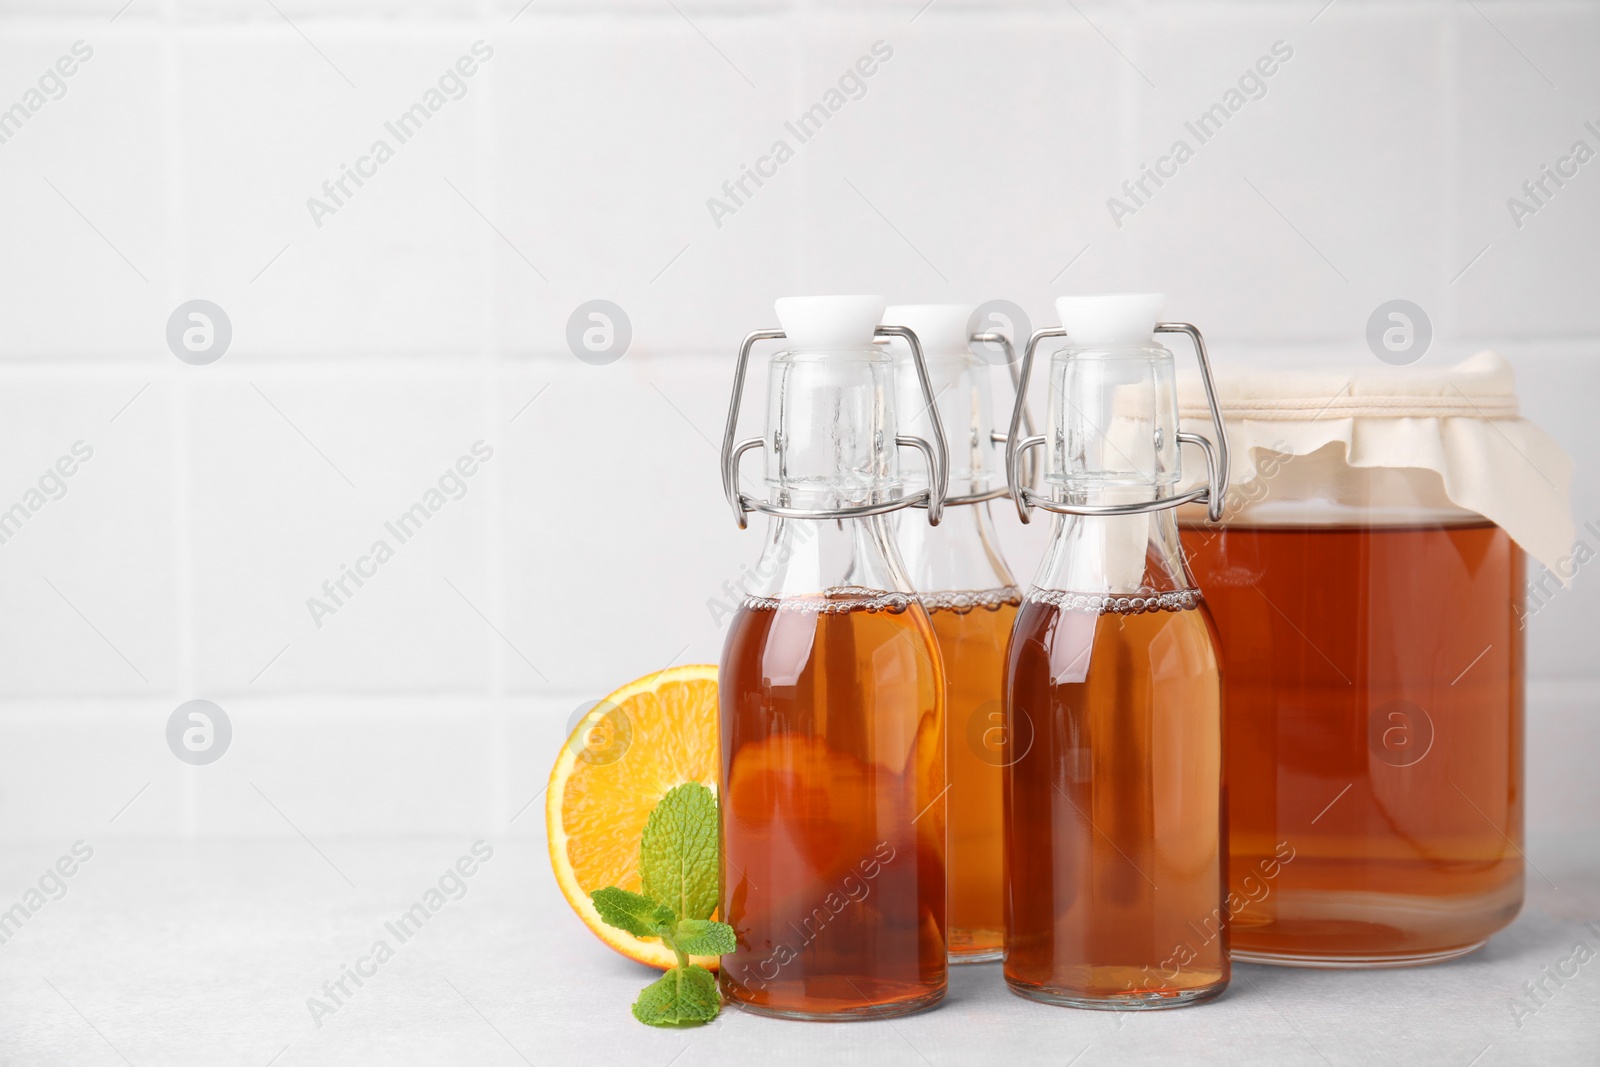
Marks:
<point>1116,854</point>
<point>832,692</point>
<point>971,600</point>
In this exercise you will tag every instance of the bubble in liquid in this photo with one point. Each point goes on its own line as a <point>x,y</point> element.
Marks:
<point>966,600</point>
<point>837,601</point>
<point>1114,604</point>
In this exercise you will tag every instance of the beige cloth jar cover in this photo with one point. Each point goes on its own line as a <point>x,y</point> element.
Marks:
<point>1452,435</point>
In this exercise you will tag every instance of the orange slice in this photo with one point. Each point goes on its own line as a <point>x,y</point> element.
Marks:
<point>625,754</point>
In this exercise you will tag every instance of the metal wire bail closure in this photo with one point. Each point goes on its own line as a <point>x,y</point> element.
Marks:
<point>936,454</point>
<point>1212,494</point>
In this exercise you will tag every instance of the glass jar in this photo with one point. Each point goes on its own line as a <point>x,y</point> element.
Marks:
<point>1373,662</point>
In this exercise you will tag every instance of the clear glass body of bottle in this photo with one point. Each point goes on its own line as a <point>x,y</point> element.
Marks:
<point>832,720</point>
<point>1116,856</point>
<point>971,600</point>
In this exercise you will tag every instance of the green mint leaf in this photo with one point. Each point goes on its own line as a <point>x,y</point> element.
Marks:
<point>682,995</point>
<point>681,880</point>
<point>702,937</point>
<point>664,919</point>
<point>627,911</point>
<point>678,853</point>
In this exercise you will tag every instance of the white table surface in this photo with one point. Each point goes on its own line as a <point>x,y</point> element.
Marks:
<point>206,952</point>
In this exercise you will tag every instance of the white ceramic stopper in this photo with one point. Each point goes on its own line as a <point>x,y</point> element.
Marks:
<point>941,329</point>
<point>819,323</point>
<point>1112,319</point>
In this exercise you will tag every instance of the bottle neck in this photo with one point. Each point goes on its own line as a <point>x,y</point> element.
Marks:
<point>964,405</point>
<point>1113,441</point>
<point>1119,555</point>
<point>961,554</point>
<point>831,430</point>
<point>816,557</point>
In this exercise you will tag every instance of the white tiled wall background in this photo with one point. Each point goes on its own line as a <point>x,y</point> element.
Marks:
<point>428,313</point>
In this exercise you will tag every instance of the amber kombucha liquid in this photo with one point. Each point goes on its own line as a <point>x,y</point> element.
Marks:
<point>973,629</point>
<point>1115,861</point>
<point>833,765</point>
<point>1374,695</point>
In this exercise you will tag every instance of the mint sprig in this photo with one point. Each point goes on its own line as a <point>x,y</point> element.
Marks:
<point>680,877</point>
